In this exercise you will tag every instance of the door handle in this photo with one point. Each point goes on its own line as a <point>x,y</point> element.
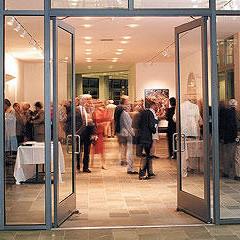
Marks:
<point>79,144</point>
<point>68,140</point>
<point>174,142</point>
<point>183,136</point>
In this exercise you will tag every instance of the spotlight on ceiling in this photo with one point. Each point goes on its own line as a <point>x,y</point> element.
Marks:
<point>10,22</point>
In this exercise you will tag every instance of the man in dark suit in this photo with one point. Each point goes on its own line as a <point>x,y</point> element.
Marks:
<point>147,127</point>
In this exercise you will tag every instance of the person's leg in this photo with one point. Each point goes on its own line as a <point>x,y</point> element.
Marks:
<point>129,155</point>
<point>170,145</point>
<point>87,147</point>
<point>153,148</point>
<point>123,149</point>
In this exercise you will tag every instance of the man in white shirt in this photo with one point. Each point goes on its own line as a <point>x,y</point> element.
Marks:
<point>110,128</point>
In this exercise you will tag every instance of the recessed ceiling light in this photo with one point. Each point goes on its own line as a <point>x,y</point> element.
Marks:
<point>88,38</point>
<point>114,60</point>
<point>118,53</point>
<point>88,42</point>
<point>133,25</point>
<point>127,37</point>
<point>120,49</point>
<point>88,60</point>
<point>88,53</point>
<point>74,3</point>
<point>124,42</point>
<point>87,18</point>
<point>88,50</point>
<point>87,25</point>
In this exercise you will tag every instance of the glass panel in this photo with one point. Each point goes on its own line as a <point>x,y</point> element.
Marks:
<point>89,3</point>
<point>191,111</point>
<point>24,4</point>
<point>228,5</point>
<point>171,4</point>
<point>24,121</point>
<point>229,120</point>
<point>65,113</point>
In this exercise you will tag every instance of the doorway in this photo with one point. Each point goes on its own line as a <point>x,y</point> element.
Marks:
<point>112,197</point>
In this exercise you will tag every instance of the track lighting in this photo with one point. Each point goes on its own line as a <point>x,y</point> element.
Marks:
<point>10,22</point>
<point>17,28</point>
<point>23,34</point>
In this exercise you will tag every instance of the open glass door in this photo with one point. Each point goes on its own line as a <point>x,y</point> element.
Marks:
<point>64,138</point>
<point>192,114</point>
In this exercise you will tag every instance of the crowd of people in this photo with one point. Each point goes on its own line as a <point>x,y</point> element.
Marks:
<point>132,124</point>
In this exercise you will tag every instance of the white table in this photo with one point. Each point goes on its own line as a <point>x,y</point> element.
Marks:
<point>30,156</point>
<point>193,155</point>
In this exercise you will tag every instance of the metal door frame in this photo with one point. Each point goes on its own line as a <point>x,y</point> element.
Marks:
<point>130,12</point>
<point>187,202</point>
<point>65,208</point>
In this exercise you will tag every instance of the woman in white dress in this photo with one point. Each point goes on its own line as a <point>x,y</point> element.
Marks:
<point>10,127</point>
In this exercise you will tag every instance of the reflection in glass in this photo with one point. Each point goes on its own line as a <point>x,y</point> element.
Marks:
<point>171,4</point>
<point>228,5</point>
<point>229,121</point>
<point>24,121</point>
<point>89,4</point>
<point>24,4</point>
<point>191,112</point>
<point>64,112</point>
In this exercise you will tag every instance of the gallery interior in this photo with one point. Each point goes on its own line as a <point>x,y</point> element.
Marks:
<point>115,56</point>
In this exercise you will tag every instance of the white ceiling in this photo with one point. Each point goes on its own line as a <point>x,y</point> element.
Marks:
<point>147,39</point>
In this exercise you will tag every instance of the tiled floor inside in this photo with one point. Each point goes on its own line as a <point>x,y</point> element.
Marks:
<point>204,232</point>
<point>114,198</point>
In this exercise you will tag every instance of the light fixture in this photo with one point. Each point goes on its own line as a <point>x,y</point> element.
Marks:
<point>88,50</point>
<point>88,42</point>
<point>17,28</point>
<point>127,37</point>
<point>10,22</point>
<point>133,25</point>
<point>74,4</point>
<point>120,49</point>
<point>87,25</point>
<point>88,38</point>
<point>88,53</point>
<point>23,34</point>
<point>114,60</point>
<point>124,42</point>
<point>118,53</point>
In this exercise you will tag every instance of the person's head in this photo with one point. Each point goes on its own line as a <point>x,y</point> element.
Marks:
<point>26,107</point>
<point>7,104</point>
<point>233,103</point>
<point>172,102</point>
<point>124,100</point>
<point>85,99</point>
<point>17,107</point>
<point>38,106</point>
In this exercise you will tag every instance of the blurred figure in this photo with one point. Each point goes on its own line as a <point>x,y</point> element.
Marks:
<point>171,128</point>
<point>27,112</point>
<point>85,107</point>
<point>38,122</point>
<point>125,138</point>
<point>20,123</point>
<point>100,119</point>
<point>10,127</point>
<point>147,128</point>
<point>228,122</point>
<point>62,116</point>
<point>110,129</point>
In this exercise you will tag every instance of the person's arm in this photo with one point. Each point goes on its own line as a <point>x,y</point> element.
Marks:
<point>152,122</point>
<point>39,119</point>
<point>127,123</point>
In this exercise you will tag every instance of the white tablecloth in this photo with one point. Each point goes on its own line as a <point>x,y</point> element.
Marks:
<point>29,156</point>
<point>193,155</point>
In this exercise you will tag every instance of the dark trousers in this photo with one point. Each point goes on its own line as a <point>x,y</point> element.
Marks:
<point>85,148</point>
<point>170,144</point>
<point>145,165</point>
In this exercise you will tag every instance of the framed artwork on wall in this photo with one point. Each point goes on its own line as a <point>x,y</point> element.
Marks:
<point>161,97</point>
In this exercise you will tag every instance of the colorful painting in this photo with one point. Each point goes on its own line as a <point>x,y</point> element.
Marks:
<point>161,97</point>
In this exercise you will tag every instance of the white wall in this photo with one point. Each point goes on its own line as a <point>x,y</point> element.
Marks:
<point>155,76</point>
<point>13,87</point>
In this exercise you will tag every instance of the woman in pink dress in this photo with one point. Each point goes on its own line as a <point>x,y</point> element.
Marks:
<point>100,119</point>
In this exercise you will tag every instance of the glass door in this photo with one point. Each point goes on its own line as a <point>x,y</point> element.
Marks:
<point>192,115</point>
<point>63,115</point>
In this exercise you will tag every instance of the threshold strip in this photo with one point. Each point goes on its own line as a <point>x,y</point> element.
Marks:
<point>132,227</point>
